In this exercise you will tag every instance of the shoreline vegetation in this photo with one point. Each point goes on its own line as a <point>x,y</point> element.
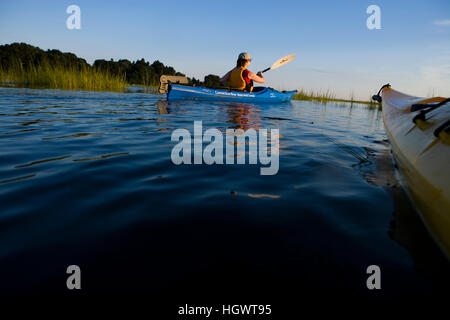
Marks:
<point>57,77</point>
<point>22,64</point>
<point>328,96</point>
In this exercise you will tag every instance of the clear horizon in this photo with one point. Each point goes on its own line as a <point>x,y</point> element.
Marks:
<point>335,50</point>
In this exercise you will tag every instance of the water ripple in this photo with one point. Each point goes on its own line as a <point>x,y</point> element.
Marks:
<point>78,168</point>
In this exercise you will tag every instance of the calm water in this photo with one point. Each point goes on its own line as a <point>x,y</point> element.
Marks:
<point>86,178</point>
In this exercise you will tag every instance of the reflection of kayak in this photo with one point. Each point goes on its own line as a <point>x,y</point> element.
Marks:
<point>419,132</point>
<point>260,94</point>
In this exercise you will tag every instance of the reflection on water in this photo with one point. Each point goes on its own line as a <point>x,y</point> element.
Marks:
<point>86,178</point>
<point>244,116</point>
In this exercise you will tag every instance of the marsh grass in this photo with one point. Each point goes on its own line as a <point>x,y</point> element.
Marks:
<point>317,96</point>
<point>329,96</point>
<point>56,76</point>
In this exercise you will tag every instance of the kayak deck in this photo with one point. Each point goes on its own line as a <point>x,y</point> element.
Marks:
<point>260,94</point>
<point>422,154</point>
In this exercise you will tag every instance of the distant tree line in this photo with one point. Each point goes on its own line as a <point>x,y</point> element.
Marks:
<point>211,81</point>
<point>138,72</point>
<point>25,56</point>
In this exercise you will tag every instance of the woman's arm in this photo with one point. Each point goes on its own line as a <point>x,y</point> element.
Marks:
<point>225,78</point>
<point>256,77</point>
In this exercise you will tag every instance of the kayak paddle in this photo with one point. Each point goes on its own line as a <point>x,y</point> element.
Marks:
<point>280,62</point>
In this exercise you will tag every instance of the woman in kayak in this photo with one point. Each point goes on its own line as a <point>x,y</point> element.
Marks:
<point>240,78</point>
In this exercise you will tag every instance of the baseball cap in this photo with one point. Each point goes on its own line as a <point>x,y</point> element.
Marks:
<point>244,56</point>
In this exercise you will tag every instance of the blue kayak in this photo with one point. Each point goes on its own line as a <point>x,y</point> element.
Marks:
<point>260,94</point>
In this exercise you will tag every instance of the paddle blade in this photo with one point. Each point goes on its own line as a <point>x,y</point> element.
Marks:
<point>282,61</point>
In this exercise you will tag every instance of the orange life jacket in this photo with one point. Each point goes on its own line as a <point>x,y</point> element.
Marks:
<point>239,79</point>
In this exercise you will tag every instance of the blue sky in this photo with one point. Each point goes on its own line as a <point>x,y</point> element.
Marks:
<point>334,48</point>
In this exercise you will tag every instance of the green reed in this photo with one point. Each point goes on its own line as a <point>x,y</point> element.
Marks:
<point>329,96</point>
<point>57,76</point>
